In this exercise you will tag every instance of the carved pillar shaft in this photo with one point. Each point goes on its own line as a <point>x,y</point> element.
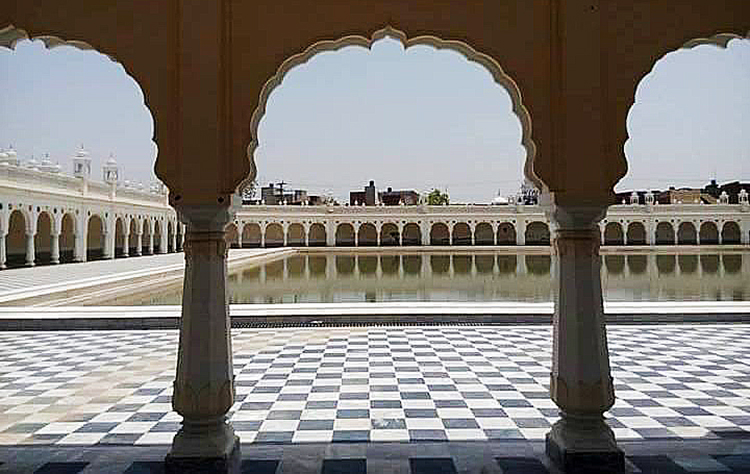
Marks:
<point>30,255</point>
<point>580,382</point>
<point>204,386</point>
<point>3,252</point>
<point>138,244</point>
<point>125,245</point>
<point>55,249</point>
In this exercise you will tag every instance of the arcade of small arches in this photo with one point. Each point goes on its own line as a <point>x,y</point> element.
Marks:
<point>33,235</point>
<point>274,230</point>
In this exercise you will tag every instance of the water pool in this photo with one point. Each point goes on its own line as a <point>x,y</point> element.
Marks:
<point>331,276</point>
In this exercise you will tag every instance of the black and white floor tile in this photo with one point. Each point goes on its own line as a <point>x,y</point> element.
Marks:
<point>371,384</point>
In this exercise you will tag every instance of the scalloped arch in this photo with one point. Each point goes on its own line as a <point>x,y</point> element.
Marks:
<point>720,40</point>
<point>469,53</point>
<point>11,35</point>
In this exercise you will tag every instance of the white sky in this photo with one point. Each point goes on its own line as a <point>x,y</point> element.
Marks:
<point>413,119</point>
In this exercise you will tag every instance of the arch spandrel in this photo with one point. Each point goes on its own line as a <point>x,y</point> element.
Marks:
<point>641,33</point>
<point>211,60</point>
<point>513,54</point>
<point>145,47</point>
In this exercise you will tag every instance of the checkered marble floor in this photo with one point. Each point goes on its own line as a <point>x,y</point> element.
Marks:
<point>302,385</point>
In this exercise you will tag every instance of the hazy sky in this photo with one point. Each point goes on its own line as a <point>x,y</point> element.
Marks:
<point>410,119</point>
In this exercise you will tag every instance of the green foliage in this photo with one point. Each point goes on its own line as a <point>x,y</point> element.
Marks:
<point>437,198</point>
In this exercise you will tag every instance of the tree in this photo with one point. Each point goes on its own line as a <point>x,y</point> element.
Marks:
<point>437,198</point>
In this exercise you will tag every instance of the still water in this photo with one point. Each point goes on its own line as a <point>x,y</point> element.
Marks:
<point>333,278</point>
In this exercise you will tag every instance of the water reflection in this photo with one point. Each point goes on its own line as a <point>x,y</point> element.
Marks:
<point>479,277</point>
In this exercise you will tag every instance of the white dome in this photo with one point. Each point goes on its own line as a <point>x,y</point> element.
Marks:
<point>111,160</point>
<point>46,161</point>
<point>11,153</point>
<point>500,200</point>
<point>82,153</point>
<point>3,155</point>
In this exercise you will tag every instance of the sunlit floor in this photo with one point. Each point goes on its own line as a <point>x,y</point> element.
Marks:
<point>372,384</point>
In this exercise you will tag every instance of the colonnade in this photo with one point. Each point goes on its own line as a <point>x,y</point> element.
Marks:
<point>276,226</point>
<point>32,235</point>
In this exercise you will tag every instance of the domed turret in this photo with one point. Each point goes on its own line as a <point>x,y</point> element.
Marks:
<point>110,170</point>
<point>47,165</point>
<point>9,156</point>
<point>32,164</point>
<point>82,164</point>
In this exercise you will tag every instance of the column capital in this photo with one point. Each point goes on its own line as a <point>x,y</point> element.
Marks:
<point>206,217</point>
<point>576,217</point>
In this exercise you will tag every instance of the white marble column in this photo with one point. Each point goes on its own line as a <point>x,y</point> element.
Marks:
<point>30,255</point>
<point>109,245</point>
<point>150,244</point>
<point>163,241</point>
<point>138,244</point>
<point>3,252</point>
<point>650,233</point>
<point>54,249</point>
<point>204,386</point>
<point>580,382</point>
<point>330,235</point>
<point>425,231</point>
<point>521,233</point>
<point>125,244</point>
<point>79,248</point>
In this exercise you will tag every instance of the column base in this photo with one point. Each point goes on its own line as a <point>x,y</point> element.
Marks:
<point>30,264</point>
<point>585,447</point>
<point>229,463</point>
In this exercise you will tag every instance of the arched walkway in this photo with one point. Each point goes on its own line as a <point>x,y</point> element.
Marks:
<point>295,235</point>
<point>178,230</point>
<point>345,235</point>
<point>389,235</point>
<point>537,233</point>
<point>506,234</point>
<point>636,234</point>
<point>157,236</point>
<point>461,234</point>
<point>317,235</point>
<point>15,241</point>
<point>709,233</point>
<point>119,238</point>
<point>367,235</point>
<point>274,235</point>
<point>439,234</point>
<point>171,237</point>
<point>412,235</point>
<point>483,234</point>
<point>232,236</point>
<point>664,234</point>
<point>95,238</point>
<point>133,249</point>
<point>67,238</point>
<point>730,233</point>
<point>686,234</point>
<point>251,235</point>
<point>43,239</point>
<point>146,238</point>
<point>613,234</point>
